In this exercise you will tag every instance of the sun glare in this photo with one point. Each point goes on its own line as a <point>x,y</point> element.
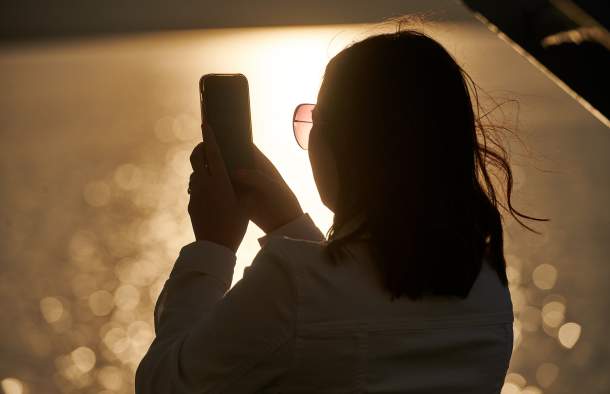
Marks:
<point>284,67</point>
<point>101,129</point>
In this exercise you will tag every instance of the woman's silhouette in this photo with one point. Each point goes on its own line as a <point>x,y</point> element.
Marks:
<point>408,294</point>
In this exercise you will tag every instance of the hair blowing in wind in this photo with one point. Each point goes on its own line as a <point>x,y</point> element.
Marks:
<point>415,157</point>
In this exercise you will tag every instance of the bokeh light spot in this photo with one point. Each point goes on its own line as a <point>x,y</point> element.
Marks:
<point>544,276</point>
<point>553,313</point>
<point>83,358</point>
<point>186,127</point>
<point>52,309</point>
<point>516,379</point>
<point>12,386</point>
<point>116,340</point>
<point>510,388</point>
<point>101,302</point>
<point>110,377</point>
<point>546,374</point>
<point>126,297</point>
<point>531,390</point>
<point>140,333</point>
<point>569,334</point>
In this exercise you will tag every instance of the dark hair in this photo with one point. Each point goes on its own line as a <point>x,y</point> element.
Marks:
<point>414,158</point>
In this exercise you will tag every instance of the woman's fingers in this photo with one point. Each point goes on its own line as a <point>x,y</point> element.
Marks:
<point>212,152</point>
<point>197,182</point>
<point>264,164</point>
<point>198,158</point>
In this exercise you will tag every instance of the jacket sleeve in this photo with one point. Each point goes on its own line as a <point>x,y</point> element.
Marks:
<point>209,340</point>
<point>300,228</point>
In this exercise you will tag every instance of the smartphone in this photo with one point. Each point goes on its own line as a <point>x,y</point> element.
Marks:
<point>225,106</point>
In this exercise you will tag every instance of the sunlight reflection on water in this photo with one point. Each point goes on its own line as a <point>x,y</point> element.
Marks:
<point>95,310</point>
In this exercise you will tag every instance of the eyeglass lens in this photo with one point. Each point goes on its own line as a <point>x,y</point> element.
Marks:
<point>302,123</point>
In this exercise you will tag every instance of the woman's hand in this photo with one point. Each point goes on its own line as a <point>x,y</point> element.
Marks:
<point>264,195</point>
<point>215,212</point>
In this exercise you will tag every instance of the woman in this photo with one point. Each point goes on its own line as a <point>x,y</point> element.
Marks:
<point>408,295</point>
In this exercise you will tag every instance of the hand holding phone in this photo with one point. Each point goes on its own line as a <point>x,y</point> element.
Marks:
<point>265,196</point>
<point>261,190</point>
<point>216,214</point>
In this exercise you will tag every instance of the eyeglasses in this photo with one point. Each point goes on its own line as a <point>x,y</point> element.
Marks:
<point>302,122</point>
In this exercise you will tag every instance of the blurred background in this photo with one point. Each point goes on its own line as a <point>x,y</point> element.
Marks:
<point>99,112</point>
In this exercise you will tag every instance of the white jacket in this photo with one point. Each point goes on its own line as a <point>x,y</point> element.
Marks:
<point>295,323</point>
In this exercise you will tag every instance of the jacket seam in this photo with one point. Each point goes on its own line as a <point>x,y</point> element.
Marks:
<point>294,274</point>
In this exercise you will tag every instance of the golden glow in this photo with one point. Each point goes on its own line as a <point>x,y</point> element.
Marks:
<point>284,67</point>
<point>97,194</point>
<point>546,374</point>
<point>530,318</point>
<point>128,176</point>
<point>83,284</point>
<point>123,238</point>
<point>110,377</point>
